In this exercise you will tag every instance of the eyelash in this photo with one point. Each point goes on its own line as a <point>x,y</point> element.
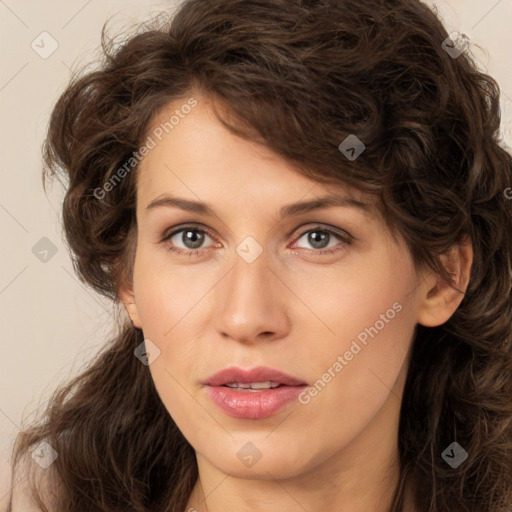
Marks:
<point>347,240</point>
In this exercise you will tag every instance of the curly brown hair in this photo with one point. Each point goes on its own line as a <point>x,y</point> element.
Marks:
<point>298,76</point>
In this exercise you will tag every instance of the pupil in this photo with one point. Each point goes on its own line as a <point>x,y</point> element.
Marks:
<point>313,239</point>
<point>190,235</point>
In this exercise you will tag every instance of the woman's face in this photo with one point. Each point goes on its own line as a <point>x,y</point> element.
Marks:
<point>321,295</point>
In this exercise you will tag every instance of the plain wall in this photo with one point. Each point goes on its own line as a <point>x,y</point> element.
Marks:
<point>51,323</point>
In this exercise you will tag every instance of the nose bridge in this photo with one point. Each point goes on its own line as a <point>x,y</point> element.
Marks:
<point>249,279</point>
<point>249,302</point>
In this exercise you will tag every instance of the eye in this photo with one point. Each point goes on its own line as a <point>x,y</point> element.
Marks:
<point>191,236</point>
<point>319,237</point>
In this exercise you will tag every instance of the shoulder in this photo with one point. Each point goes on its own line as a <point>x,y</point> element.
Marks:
<point>33,489</point>
<point>22,499</point>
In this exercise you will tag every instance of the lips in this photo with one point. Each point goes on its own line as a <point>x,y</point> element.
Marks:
<point>253,394</point>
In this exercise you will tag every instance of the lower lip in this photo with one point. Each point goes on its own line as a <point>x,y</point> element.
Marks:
<point>253,405</point>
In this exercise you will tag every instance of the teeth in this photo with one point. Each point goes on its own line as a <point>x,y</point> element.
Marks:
<point>253,385</point>
<point>264,385</point>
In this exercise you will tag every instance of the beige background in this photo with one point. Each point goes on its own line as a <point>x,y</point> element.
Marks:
<point>51,324</point>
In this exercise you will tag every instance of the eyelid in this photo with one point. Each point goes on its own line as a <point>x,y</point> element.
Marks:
<point>342,234</point>
<point>344,238</point>
<point>177,229</point>
<point>317,225</point>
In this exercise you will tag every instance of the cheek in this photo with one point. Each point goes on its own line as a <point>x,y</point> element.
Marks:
<point>166,308</point>
<point>371,304</point>
<point>367,329</point>
<point>168,298</point>
<point>167,294</point>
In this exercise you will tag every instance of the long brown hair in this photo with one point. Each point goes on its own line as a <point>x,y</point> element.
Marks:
<point>298,76</point>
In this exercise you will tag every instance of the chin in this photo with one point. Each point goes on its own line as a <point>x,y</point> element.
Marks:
<point>269,470</point>
<point>260,459</point>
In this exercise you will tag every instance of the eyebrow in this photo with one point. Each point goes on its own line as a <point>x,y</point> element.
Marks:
<point>298,208</point>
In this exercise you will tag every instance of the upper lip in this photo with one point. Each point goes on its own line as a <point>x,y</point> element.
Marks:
<point>259,374</point>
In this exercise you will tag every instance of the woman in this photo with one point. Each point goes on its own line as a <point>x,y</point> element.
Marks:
<point>336,333</point>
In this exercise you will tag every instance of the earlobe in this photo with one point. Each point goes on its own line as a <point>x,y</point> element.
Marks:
<point>440,299</point>
<point>127,297</point>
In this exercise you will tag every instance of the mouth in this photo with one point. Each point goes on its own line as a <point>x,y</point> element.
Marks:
<point>253,387</point>
<point>253,394</point>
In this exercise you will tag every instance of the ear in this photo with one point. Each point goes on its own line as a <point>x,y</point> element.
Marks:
<point>440,300</point>
<point>125,293</point>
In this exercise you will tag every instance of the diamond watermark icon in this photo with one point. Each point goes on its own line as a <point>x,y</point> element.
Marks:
<point>44,250</point>
<point>44,455</point>
<point>44,45</point>
<point>249,249</point>
<point>455,455</point>
<point>352,147</point>
<point>147,352</point>
<point>455,44</point>
<point>249,455</point>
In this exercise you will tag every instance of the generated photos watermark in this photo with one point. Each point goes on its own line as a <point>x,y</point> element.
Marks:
<point>454,455</point>
<point>44,455</point>
<point>455,44</point>
<point>149,144</point>
<point>249,455</point>
<point>147,352</point>
<point>355,347</point>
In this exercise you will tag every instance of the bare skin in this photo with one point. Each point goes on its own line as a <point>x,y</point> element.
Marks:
<point>289,309</point>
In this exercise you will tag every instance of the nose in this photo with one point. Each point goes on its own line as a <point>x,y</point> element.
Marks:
<point>252,302</point>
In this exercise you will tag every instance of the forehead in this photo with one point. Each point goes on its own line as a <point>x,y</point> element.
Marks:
<point>196,157</point>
